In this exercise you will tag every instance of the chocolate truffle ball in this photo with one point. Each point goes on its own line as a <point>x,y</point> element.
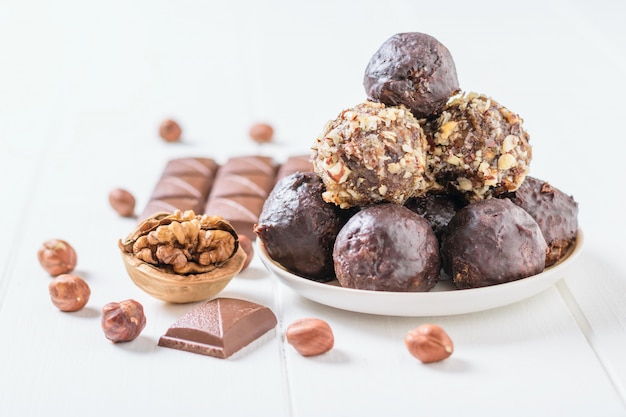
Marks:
<point>554,211</point>
<point>492,242</point>
<point>387,247</point>
<point>413,69</point>
<point>478,147</point>
<point>298,228</point>
<point>437,208</point>
<point>371,153</point>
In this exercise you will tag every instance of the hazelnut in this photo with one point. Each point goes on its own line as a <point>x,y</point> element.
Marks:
<point>261,132</point>
<point>123,321</point>
<point>57,257</point>
<point>123,202</point>
<point>170,131</point>
<point>429,343</point>
<point>310,336</point>
<point>69,292</point>
<point>246,245</point>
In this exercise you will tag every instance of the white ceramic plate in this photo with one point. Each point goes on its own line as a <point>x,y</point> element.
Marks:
<point>443,300</point>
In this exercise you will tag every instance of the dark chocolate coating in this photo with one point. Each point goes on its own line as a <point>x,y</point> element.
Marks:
<point>437,208</point>
<point>387,247</point>
<point>492,242</point>
<point>413,69</point>
<point>298,228</point>
<point>554,211</point>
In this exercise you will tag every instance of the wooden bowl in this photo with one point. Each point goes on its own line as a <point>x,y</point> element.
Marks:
<point>175,288</point>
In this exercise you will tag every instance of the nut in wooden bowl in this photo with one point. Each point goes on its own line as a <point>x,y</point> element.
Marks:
<point>182,257</point>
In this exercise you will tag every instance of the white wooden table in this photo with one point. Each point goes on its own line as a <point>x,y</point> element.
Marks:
<point>83,87</point>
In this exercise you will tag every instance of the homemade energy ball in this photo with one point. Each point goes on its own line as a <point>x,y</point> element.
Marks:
<point>298,228</point>
<point>387,247</point>
<point>437,208</point>
<point>413,69</point>
<point>491,242</point>
<point>371,153</point>
<point>554,211</point>
<point>478,147</point>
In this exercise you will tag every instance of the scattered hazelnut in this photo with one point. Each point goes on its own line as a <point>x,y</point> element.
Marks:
<point>57,257</point>
<point>310,336</point>
<point>246,245</point>
<point>170,131</point>
<point>123,202</point>
<point>261,132</point>
<point>123,321</point>
<point>69,292</point>
<point>429,343</point>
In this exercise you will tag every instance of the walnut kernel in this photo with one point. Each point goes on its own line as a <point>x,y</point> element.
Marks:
<point>183,243</point>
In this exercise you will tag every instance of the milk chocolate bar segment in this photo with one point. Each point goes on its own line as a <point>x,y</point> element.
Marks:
<point>219,327</point>
<point>204,167</point>
<point>241,187</point>
<point>250,165</point>
<point>296,163</point>
<point>241,211</point>
<point>172,204</point>
<point>184,185</point>
<point>227,185</point>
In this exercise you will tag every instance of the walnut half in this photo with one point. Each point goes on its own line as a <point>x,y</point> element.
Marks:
<point>182,242</point>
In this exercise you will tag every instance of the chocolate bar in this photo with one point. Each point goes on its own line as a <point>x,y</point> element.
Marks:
<point>219,327</point>
<point>184,185</point>
<point>241,211</point>
<point>241,187</point>
<point>172,204</point>
<point>236,190</point>
<point>203,167</point>
<point>293,164</point>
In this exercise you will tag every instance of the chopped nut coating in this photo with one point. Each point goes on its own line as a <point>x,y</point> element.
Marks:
<point>478,147</point>
<point>371,153</point>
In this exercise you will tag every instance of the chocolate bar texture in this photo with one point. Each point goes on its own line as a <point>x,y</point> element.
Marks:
<point>219,327</point>
<point>235,190</point>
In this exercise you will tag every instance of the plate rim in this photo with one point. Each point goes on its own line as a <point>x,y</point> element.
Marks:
<point>531,285</point>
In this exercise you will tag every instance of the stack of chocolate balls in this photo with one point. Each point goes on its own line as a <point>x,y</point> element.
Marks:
<point>419,177</point>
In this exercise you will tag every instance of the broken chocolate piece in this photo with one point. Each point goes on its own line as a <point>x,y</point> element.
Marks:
<point>219,327</point>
